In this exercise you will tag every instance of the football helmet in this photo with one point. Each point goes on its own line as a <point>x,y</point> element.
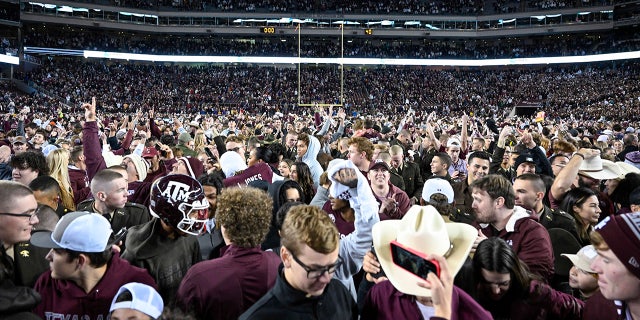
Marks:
<point>180,202</point>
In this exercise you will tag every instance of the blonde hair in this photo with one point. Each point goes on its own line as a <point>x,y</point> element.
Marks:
<point>311,226</point>
<point>58,161</point>
<point>199,141</point>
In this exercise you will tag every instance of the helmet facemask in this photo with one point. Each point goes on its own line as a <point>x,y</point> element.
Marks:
<point>194,217</point>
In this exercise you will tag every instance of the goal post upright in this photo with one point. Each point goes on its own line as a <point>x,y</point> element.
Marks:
<point>300,104</point>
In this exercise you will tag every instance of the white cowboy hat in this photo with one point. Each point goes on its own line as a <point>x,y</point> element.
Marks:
<point>625,168</point>
<point>599,169</point>
<point>422,229</point>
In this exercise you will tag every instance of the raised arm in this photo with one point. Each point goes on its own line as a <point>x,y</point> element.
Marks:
<point>562,183</point>
<point>464,135</point>
<point>91,141</point>
<point>349,184</point>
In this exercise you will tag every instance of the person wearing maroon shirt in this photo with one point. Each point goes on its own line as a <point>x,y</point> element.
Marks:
<point>77,171</point>
<point>224,288</point>
<point>341,214</point>
<point>394,203</point>
<point>498,216</point>
<point>85,274</point>
<point>403,295</point>
<point>157,168</point>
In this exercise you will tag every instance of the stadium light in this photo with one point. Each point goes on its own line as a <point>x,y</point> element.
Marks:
<point>365,61</point>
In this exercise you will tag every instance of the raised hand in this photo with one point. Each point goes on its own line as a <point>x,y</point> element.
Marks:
<point>90,110</point>
<point>347,177</point>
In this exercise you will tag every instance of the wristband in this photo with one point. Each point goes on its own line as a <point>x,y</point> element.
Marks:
<point>579,154</point>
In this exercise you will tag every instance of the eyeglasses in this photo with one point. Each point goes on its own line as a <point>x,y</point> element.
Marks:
<point>235,149</point>
<point>26,215</point>
<point>319,272</point>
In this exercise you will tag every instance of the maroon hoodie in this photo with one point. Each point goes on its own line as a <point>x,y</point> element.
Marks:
<point>258,171</point>
<point>63,299</point>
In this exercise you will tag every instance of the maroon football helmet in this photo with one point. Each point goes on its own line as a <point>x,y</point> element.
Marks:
<point>180,202</point>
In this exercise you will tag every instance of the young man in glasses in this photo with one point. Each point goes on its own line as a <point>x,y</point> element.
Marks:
<point>18,208</point>
<point>305,284</point>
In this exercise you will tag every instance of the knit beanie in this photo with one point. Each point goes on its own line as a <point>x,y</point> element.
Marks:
<point>622,235</point>
<point>140,164</point>
<point>194,166</point>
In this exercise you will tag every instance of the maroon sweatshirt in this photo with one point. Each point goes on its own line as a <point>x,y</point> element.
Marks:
<point>63,299</point>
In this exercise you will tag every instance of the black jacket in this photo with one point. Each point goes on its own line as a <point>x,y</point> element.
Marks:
<point>167,260</point>
<point>556,218</point>
<point>283,302</point>
<point>29,263</point>
<point>276,191</point>
<point>17,302</point>
<point>413,182</point>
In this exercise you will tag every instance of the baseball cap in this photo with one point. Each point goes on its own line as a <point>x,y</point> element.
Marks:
<point>149,152</point>
<point>78,231</point>
<point>437,185</point>
<point>379,163</point>
<point>143,298</point>
<point>453,142</point>
<point>20,139</point>
<point>522,159</point>
<point>121,133</point>
<point>583,258</point>
<point>633,158</point>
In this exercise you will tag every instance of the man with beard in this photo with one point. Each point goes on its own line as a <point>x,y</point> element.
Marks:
<point>498,216</point>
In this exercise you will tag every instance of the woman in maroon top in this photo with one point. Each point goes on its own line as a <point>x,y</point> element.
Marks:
<point>503,285</point>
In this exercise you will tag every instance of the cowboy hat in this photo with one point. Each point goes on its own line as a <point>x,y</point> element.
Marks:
<point>625,168</point>
<point>422,229</point>
<point>599,169</point>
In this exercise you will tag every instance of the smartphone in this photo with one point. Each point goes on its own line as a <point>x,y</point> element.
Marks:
<point>381,272</point>
<point>209,153</point>
<point>120,235</point>
<point>413,261</point>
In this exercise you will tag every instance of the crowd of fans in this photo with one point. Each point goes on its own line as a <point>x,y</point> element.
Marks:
<point>206,190</point>
<point>596,90</point>
<point>423,7</point>
<point>557,45</point>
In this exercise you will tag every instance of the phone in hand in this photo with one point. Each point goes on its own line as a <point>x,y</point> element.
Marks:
<point>120,235</point>
<point>381,272</point>
<point>209,153</point>
<point>413,261</point>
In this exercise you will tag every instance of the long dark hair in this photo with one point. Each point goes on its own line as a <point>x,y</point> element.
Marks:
<point>577,197</point>
<point>305,181</point>
<point>265,154</point>
<point>495,255</point>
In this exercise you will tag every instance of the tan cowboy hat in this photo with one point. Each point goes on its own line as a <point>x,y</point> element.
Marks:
<point>599,169</point>
<point>422,229</point>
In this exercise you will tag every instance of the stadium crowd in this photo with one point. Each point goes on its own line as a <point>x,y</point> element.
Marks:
<point>87,39</point>
<point>206,192</point>
<point>596,90</point>
<point>433,7</point>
